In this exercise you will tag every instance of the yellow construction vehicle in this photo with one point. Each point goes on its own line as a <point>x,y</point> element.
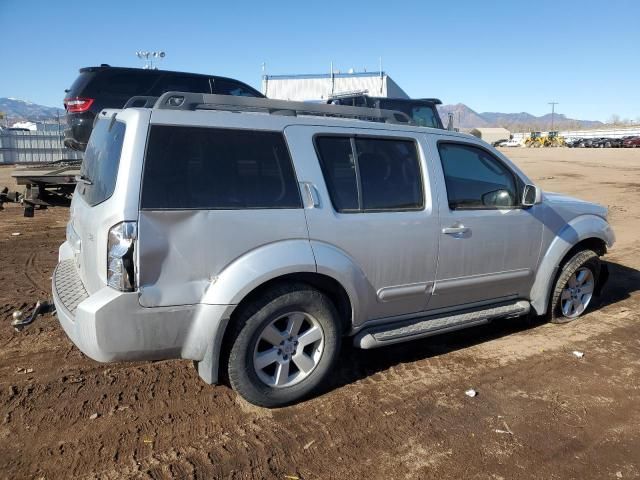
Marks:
<point>553,139</point>
<point>535,140</point>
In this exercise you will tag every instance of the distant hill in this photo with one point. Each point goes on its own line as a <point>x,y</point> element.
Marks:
<point>20,110</point>
<point>465,117</point>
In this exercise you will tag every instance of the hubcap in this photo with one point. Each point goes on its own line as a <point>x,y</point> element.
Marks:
<point>288,349</point>
<point>577,293</point>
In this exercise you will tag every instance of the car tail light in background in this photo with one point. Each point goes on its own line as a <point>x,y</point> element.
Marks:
<point>121,261</point>
<point>77,104</point>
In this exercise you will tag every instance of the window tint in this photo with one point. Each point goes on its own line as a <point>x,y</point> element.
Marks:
<point>339,170</point>
<point>384,176</point>
<point>182,83</point>
<point>475,179</point>
<point>210,168</point>
<point>101,160</point>
<point>237,89</point>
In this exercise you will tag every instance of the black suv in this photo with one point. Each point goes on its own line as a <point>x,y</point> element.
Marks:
<point>110,87</point>
<point>422,111</point>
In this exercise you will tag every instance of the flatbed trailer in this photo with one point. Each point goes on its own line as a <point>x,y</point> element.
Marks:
<point>49,184</point>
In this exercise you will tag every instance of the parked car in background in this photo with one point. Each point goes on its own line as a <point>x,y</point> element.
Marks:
<point>631,142</point>
<point>253,243</point>
<point>423,111</point>
<point>512,143</point>
<point>105,86</point>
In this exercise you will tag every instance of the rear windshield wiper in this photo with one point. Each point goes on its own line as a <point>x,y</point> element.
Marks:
<point>84,180</point>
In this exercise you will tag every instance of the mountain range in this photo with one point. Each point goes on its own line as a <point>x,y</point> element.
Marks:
<point>464,117</point>
<point>21,110</point>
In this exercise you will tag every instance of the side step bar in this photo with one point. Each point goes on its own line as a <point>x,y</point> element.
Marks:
<point>382,335</point>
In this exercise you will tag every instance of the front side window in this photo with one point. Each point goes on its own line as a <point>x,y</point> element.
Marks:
<point>214,168</point>
<point>222,86</point>
<point>101,160</point>
<point>475,179</point>
<point>371,174</point>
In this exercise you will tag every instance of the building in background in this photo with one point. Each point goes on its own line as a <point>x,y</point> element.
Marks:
<point>491,135</point>
<point>320,87</point>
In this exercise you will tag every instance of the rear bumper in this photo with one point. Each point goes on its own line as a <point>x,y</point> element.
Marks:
<point>109,325</point>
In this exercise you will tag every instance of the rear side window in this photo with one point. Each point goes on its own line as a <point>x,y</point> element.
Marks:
<point>101,161</point>
<point>371,174</point>
<point>182,83</point>
<point>212,168</point>
<point>475,179</point>
<point>123,83</point>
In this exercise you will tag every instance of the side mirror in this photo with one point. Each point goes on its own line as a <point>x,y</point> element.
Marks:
<point>531,195</point>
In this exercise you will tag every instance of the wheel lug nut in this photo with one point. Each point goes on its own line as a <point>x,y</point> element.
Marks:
<point>286,357</point>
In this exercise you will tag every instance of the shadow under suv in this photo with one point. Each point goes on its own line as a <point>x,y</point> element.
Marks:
<point>97,88</point>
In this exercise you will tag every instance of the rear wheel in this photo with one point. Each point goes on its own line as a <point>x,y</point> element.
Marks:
<point>284,345</point>
<point>575,287</point>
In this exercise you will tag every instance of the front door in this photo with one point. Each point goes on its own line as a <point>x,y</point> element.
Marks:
<point>489,243</point>
<point>373,209</point>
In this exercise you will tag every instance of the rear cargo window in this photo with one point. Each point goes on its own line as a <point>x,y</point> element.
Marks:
<point>212,168</point>
<point>101,159</point>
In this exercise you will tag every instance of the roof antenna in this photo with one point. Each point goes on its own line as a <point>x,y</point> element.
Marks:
<point>265,79</point>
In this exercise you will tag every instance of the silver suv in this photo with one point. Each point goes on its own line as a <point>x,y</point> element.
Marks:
<point>253,236</point>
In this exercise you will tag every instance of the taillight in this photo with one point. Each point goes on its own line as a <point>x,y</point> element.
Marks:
<point>77,104</point>
<point>121,262</point>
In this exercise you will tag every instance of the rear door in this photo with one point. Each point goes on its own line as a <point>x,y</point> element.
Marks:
<point>90,209</point>
<point>374,206</point>
<point>489,243</point>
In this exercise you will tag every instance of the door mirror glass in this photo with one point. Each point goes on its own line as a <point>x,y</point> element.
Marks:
<point>498,198</point>
<point>530,195</point>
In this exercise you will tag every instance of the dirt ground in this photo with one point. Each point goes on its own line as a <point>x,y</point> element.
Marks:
<point>393,413</point>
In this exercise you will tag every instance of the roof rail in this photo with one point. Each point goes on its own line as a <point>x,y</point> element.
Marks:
<point>141,101</point>
<point>206,101</point>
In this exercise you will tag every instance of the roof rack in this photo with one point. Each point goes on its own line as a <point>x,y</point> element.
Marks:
<point>141,101</point>
<point>206,101</point>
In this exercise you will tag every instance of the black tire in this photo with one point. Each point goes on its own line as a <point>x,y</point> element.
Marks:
<point>248,326</point>
<point>582,258</point>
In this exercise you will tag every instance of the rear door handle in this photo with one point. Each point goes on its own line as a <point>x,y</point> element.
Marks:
<point>312,198</point>
<point>455,230</point>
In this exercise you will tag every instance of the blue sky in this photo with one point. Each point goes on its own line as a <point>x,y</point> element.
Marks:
<point>492,55</point>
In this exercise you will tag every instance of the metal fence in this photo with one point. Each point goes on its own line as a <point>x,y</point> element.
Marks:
<point>39,146</point>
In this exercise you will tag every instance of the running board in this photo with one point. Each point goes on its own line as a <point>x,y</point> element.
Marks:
<point>381,335</point>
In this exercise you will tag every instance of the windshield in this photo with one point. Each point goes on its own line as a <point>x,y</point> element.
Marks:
<point>425,116</point>
<point>100,164</point>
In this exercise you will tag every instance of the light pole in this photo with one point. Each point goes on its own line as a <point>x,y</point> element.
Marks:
<point>553,112</point>
<point>148,63</point>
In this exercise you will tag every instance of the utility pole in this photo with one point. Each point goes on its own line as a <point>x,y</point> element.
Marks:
<point>553,112</point>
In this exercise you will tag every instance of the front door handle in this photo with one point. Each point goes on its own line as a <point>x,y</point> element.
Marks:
<point>455,230</point>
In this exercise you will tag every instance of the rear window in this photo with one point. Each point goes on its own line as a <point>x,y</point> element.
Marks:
<point>212,168</point>
<point>101,161</point>
<point>80,83</point>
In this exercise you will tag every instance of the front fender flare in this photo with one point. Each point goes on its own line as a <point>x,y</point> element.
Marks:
<point>577,230</point>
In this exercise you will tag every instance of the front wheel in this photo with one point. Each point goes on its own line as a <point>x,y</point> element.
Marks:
<point>284,345</point>
<point>575,287</point>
